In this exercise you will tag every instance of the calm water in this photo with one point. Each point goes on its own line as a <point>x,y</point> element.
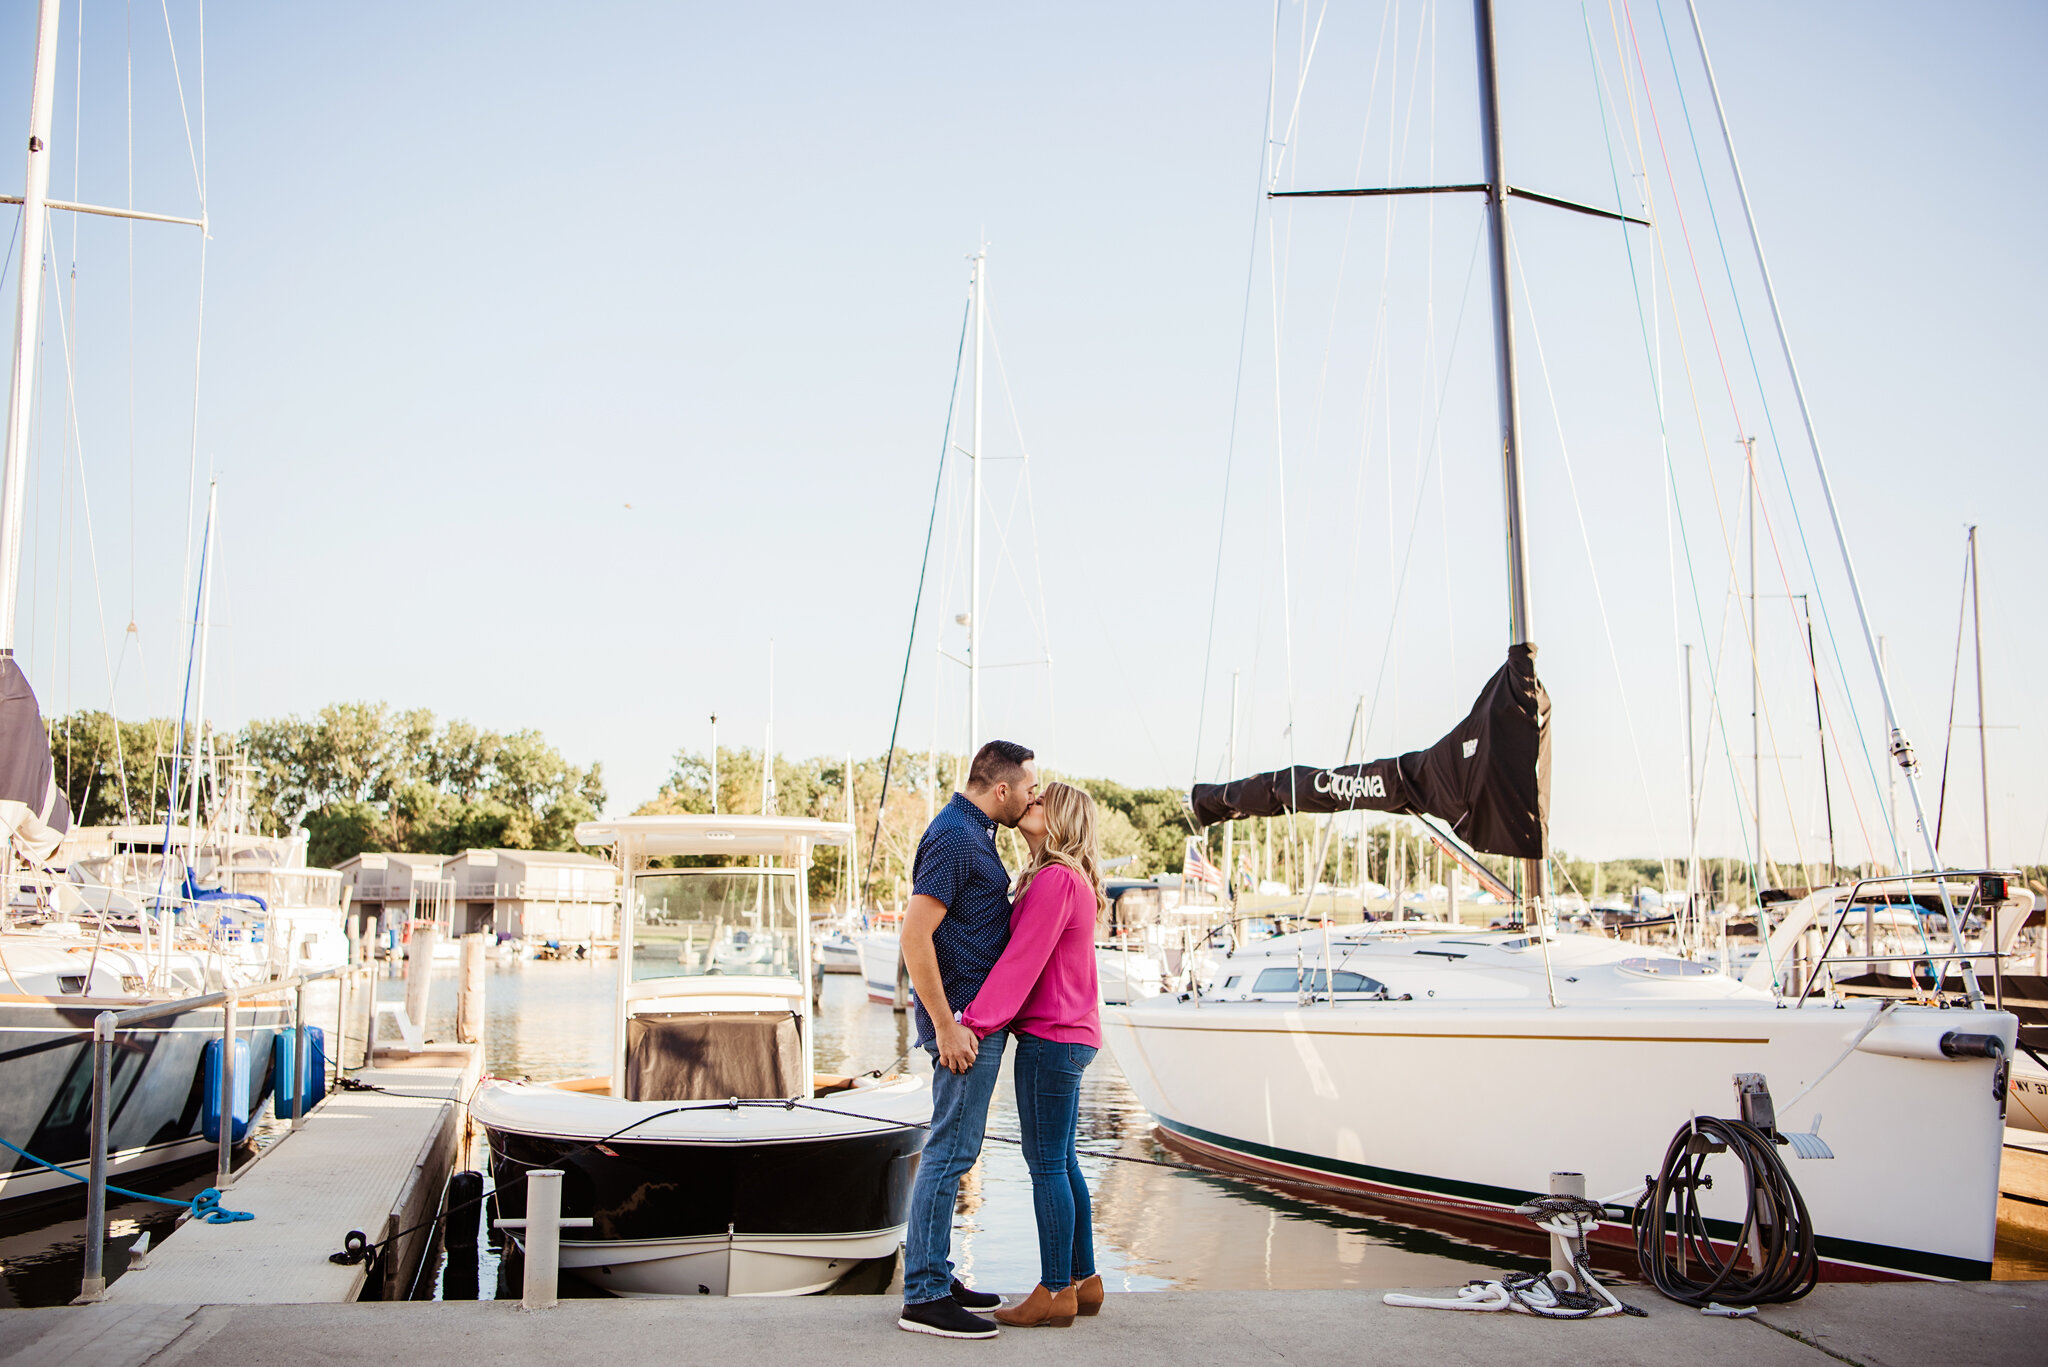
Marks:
<point>1155,1228</point>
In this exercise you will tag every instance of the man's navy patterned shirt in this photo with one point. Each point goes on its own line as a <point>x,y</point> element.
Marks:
<point>957,865</point>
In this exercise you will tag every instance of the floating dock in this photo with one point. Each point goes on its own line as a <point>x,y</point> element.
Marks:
<point>1984,1324</point>
<point>376,1161</point>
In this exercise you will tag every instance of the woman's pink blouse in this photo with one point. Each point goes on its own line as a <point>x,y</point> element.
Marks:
<point>1044,984</point>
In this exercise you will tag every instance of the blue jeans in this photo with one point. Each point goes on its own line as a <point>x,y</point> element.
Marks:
<point>959,1114</point>
<point>1048,1112</point>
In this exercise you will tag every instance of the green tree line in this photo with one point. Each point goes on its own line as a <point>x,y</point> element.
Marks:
<point>357,776</point>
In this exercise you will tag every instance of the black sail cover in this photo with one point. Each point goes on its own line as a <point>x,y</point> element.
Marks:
<point>1489,779</point>
<point>26,774</point>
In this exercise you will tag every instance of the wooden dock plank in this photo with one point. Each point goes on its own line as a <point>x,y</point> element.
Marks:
<point>359,1160</point>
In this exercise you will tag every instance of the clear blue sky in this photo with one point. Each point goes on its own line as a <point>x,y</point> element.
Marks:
<point>483,276</point>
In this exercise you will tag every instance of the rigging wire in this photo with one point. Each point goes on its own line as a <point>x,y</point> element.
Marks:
<point>1237,395</point>
<point>1586,537</point>
<point>1955,680</point>
<point>1770,421</point>
<point>917,602</point>
<point>75,438</point>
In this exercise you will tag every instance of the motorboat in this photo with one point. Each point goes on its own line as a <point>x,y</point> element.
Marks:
<point>837,950</point>
<point>715,1160</point>
<point>880,950</point>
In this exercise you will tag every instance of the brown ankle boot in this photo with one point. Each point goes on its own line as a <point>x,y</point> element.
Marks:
<point>1040,1307</point>
<point>1088,1295</point>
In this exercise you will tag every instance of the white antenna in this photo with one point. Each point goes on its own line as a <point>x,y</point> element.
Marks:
<point>974,516</point>
<point>768,742</point>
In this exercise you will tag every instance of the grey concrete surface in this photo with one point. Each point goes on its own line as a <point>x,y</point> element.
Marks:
<point>1904,1324</point>
<point>1881,1326</point>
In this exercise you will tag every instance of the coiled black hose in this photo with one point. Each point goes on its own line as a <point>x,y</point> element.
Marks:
<point>1680,1258</point>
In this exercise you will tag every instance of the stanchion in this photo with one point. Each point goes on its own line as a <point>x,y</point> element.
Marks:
<point>224,1155</point>
<point>93,1286</point>
<point>543,1242</point>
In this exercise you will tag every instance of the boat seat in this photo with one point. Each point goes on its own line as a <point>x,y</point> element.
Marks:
<point>713,1055</point>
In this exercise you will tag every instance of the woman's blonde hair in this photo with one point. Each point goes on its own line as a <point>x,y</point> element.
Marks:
<point>1069,839</point>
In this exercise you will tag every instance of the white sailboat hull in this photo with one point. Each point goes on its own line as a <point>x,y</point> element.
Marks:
<point>1469,1107</point>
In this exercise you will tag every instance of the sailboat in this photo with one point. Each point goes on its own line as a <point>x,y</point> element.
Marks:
<point>1457,1069</point>
<point>714,1160</point>
<point>70,949</point>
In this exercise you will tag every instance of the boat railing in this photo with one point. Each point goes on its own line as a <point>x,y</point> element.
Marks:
<point>109,1024</point>
<point>1984,892</point>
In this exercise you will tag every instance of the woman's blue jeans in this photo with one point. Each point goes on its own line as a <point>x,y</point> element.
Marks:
<point>1048,1077</point>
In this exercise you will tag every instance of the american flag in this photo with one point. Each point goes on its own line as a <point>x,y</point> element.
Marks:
<point>1196,865</point>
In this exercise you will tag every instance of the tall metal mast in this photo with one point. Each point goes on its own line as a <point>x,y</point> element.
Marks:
<point>28,305</point>
<point>1756,685</point>
<point>1520,630</point>
<point>28,308</point>
<point>1983,750</point>
<point>204,630</point>
<point>974,518</point>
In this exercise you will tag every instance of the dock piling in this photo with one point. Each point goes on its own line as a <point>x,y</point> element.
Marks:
<point>419,975</point>
<point>542,1245</point>
<point>1565,1252</point>
<point>469,999</point>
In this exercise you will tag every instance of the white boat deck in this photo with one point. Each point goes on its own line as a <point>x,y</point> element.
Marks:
<point>361,1160</point>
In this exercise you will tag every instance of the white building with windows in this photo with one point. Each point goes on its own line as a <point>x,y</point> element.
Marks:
<point>389,889</point>
<point>534,895</point>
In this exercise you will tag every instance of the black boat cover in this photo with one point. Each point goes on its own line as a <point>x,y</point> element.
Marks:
<point>713,1055</point>
<point>26,774</point>
<point>1489,779</point>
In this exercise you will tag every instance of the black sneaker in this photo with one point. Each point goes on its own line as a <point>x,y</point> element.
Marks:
<point>975,1300</point>
<point>948,1319</point>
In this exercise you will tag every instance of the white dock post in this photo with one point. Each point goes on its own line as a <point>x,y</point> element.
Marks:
<point>469,999</point>
<point>224,1152</point>
<point>419,975</point>
<point>1564,1251</point>
<point>543,1227</point>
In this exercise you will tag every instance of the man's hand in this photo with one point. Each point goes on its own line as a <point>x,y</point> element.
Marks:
<point>958,1047</point>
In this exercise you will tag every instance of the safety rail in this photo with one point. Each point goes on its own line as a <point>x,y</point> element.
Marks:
<point>107,1024</point>
<point>1980,883</point>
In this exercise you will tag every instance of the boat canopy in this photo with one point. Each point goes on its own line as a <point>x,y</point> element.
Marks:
<point>1489,779</point>
<point>654,837</point>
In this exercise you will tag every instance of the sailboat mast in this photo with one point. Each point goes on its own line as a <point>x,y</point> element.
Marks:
<point>1520,631</point>
<point>1756,734</point>
<point>27,310</point>
<point>974,519</point>
<point>1983,750</point>
<point>199,689</point>
<point>1230,827</point>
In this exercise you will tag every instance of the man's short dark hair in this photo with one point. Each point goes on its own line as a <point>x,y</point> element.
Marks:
<point>1000,761</point>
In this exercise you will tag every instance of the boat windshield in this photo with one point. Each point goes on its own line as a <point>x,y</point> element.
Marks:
<point>693,922</point>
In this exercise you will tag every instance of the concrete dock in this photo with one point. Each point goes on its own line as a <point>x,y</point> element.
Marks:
<point>376,1161</point>
<point>1986,1324</point>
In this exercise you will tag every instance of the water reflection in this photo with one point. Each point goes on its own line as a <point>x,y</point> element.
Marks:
<point>1155,1227</point>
